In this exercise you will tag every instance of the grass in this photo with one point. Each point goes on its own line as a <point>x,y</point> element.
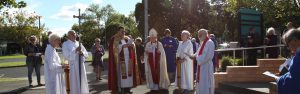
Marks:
<point>11,79</point>
<point>12,64</point>
<point>104,57</point>
<point>12,57</point>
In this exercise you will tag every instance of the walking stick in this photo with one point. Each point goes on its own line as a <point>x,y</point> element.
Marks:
<point>178,74</point>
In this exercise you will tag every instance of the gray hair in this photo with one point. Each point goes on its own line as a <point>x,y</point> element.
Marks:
<point>53,37</point>
<point>185,32</point>
<point>71,31</point>
<point>290,35</point>
<point>271,31</point>
<point>97,39</point>
<point>203,31</point>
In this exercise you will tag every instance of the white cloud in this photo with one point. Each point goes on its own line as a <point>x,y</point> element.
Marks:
<point>59,31</point>
<point>67,12</point>
<point>97,1</point>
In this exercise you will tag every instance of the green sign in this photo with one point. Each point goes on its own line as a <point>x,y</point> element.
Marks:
<point>250,18</point>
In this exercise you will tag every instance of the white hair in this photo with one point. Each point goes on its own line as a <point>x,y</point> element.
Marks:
<point>185,32</point>
<point>71,31</point>
<point>271,31</point>
<point>203,31</point>
<point>53,37</point>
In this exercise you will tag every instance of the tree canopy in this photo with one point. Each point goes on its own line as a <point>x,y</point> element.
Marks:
<point>214,15</point>
<point>102,22</point>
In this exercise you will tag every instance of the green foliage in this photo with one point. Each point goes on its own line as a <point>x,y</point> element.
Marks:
<point>12,64</point>
<point>16,26</point>
<point>12,57</point>
<point>229,61</point>
<point>12,4</point>
<point>213,15</point>
<point>103,23</point>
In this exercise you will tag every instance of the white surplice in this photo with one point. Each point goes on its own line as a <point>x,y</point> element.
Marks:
<point>54,73</point>
<point>70,54</point>
<point>128,82</point>
<point>206,82</point>
<point>163,75</point>
<point>185,49</point>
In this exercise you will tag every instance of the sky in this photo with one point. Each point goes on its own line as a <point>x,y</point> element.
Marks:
<point>57,15</point>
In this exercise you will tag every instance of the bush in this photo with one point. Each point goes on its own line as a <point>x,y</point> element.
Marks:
<point>225,61</point>
<point>229,61</point>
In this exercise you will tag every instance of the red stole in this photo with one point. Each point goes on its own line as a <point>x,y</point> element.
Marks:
<point>200,53</point>
<point>154,65</point>
<point>131,62</point>
<point>112,72</point>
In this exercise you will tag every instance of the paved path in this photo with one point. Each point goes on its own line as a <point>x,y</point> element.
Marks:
<point>96,87</point>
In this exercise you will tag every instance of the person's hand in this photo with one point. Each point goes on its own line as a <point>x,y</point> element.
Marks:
<point>165,45</point>
<point>65,66</point>
<point>157,51</point>
<point>31,54</point>
<point>170,46</point>
<point>180,61</point>
<point>193,56</point>
<point>78,49</point>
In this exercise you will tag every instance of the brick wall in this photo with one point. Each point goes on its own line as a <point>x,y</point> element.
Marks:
<point>249,73</point>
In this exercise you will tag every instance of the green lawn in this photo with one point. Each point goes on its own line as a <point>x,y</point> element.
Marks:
<point>11,79</point>
<point>12,64</point>
<point>12,57</point>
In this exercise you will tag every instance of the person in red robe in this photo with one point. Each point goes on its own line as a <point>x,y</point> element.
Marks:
<point>123,71</point>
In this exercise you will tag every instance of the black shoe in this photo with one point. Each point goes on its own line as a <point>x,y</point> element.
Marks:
<point>30,86</point>
<point>41,84</point>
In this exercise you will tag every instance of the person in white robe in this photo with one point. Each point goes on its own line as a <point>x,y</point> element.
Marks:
<point>53,69</point>
<point>71,51</point>
<point>184,51</point>
<point>204,56</point>
<point>155,71</point>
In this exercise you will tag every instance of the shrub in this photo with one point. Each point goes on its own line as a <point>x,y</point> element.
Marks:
<point>229,61</point>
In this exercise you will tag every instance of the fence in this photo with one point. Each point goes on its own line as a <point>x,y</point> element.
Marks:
<point>248,48</point>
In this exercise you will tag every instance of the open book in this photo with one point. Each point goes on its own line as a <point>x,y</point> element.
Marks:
<point>267,73</point>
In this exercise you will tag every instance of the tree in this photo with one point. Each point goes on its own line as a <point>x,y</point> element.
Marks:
<point>17,26</point>
<point>103,23</point>
<point>12,4</point>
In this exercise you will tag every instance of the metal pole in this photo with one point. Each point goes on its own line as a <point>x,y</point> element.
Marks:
<point>146,19</point>
<point>39,22</point>
<point>79,59</point>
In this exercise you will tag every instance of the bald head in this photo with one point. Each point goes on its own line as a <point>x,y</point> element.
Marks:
<point>72,35</point>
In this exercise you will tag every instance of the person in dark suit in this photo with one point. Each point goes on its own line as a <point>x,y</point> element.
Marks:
<point>270,40</point>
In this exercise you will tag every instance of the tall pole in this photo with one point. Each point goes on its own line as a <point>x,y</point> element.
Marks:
<point>40,40</point>
<point>39,22</point>
<point>79,59</point>
<point>146,19</point>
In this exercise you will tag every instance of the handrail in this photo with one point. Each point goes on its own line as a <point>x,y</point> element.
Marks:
<point>247,48</point>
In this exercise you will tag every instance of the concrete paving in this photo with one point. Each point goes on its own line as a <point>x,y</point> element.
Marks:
<point>96,87</point>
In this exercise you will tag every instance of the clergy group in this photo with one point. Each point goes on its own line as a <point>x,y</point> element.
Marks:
<point>158,63</point>
<point>161,63</point>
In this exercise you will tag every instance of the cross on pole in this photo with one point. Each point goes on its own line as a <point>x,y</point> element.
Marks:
<point>79,57</point>
<point>79,18</point>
